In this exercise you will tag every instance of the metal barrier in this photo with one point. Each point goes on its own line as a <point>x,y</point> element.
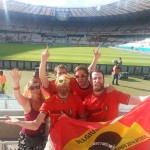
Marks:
<point>7,102</point>
<point>107,68</point>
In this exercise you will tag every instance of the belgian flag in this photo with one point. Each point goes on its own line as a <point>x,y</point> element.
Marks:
<point>129,132</point>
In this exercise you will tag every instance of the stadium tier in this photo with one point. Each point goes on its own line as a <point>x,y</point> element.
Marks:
<point>112,24</point>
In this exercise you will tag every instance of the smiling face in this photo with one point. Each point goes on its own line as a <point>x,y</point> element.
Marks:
<point>60,70</point>
<point>34,87</point>
<point>81,77</point>
<point>97,80</point>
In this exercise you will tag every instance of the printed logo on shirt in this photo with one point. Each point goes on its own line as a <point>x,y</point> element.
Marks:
<point>106,107</point>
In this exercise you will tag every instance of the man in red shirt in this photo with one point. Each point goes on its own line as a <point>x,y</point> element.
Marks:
<point>63,102</point>
<point>102,106</point>
<point>80,85</point>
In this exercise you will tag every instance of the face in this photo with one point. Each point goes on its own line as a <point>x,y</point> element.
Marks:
<point>60,72</point>
<point>97,81</point>
<point>34,88</point>
<point>63,85</point>
<point>81,77</point>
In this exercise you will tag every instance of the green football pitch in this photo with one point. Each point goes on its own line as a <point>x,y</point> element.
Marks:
<point>134,85</point>
<point>71,54</point>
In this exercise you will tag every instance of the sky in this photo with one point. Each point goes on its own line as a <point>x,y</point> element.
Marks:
<point>67,3</point>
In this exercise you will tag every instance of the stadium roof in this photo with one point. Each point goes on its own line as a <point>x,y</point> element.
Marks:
<point>112,9</point>
<point>67,3</point>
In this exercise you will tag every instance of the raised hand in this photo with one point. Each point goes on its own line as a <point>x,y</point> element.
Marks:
<point>45,55</point>
<point>15,74</point>
<point>97,53</point>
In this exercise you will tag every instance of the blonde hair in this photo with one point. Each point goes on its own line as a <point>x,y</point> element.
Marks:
<point>26,92</point>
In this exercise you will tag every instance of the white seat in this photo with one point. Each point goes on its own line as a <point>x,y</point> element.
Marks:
<point>10,145</point>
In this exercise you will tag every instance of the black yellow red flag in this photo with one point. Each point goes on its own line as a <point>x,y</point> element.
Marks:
<point>129,132</point>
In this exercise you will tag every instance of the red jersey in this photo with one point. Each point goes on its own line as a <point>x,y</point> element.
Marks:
<point>105,106</point>
<point>51,89</point>
<point>77,90</point>
<point>55,107</point>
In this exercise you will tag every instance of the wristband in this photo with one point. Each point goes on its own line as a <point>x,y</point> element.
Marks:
<point>17,88</point>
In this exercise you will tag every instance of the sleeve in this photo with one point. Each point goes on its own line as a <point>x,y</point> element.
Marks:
<point>51,88</point>
<point>123,98</point>
<point>44,108</point>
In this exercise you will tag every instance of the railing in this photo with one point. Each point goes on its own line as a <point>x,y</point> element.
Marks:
<point>7,102</point>
<point>106,68</point>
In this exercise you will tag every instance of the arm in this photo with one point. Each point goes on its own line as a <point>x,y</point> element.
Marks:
<point>3,82</point>
<point>42,68</point>
<point>134,100</point>
<point>31,125</point>
<point>97,55</point>
<point>16,76</point>
<point>3,85</point>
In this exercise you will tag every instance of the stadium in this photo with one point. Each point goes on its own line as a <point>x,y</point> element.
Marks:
<point>122,27</point>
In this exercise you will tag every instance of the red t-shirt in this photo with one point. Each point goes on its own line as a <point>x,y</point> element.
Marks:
<point>77,90</point>
<point>51,89</point>
<point>54,107</point>
<point>104,107</point>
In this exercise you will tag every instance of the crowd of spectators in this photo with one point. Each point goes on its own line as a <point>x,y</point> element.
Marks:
<point>71,33</point>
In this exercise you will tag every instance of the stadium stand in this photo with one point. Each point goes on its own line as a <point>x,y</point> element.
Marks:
<point>110,25</point>
<point>118,23</point>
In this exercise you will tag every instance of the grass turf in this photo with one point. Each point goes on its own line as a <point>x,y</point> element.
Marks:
<point>71,54</point>
<point>134,85</point>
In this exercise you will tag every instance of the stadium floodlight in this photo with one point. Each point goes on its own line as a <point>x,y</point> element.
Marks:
<point>98,7</point>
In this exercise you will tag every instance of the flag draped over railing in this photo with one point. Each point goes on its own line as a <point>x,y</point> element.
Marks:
<point>129,132</point>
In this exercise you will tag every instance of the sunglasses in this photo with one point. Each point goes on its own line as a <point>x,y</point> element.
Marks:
<point>34,87</point>
<point>60,81</point>
<point>81,76</point>
<point>63,81</point>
